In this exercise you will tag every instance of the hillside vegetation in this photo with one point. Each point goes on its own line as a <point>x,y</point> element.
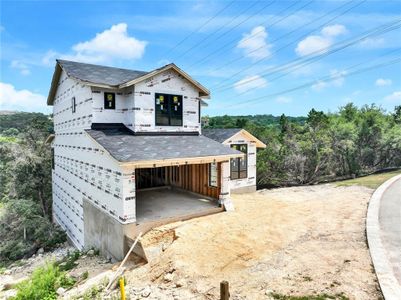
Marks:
<point>322,147</point>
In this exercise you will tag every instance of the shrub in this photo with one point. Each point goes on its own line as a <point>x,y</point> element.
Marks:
<point>43,283</point>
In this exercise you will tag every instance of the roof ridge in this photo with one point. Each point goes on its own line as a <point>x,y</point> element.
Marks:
<point>97,65</point>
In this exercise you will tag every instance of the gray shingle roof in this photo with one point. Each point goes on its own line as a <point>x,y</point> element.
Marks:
<point>220,134</point>
<point>99,74</point>
<point>125,146</point>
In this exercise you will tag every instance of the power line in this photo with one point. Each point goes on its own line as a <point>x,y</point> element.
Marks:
<point>323,79</point>
<point>313,59</point>
<point>256,33</point>
<point>246,19</point>
<point>282,36</point>
<point>200,27</point>
<point>301,37</point>
<point>319,54</point>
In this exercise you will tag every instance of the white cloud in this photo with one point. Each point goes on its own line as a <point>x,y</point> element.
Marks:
<point>372,43</point>
<point>334,30</point>
<point>394,97</point>
<point>21,100</point>
<point>337,79</point>
<point>249,83</point>
<point>113,43</point>
<point>318,44</point>
<point>254,44</point>
<point>23,68</point>
<point>283,99</point>
<point>383,82</point>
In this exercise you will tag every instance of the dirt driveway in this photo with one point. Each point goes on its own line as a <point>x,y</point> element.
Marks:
<point>292,241</point>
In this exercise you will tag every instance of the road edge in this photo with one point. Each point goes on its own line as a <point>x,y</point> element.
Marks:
<point>387,281</point>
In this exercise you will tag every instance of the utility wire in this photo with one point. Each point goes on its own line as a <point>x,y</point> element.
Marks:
<point>323,79</point>
<point>319,54</point>
<point>200,27</point>
<point>252,36</point>
<point>296,67</point>
<point>282,36</point>
<point>292,42</point>
<point>232,28</point>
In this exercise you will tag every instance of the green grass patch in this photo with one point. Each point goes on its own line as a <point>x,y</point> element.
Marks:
<point>44,283</point>
<point>8,139</point>
<point>370,181</point>
<point>310,297</point>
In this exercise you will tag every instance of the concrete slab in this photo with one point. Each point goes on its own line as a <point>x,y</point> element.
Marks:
<point>162,203</point>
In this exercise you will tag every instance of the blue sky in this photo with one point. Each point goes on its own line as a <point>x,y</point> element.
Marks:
<point>237,54</point>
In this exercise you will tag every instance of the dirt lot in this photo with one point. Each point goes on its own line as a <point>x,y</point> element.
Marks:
<point>293,241</point>
<point>299,241</point>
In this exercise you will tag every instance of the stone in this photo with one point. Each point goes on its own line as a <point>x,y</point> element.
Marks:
<point>180,283</point>
<point>91,252</point>
<point>40,251</point>
<point>7,272</point>
<point>60,291</point>
<point>146,292</point>
<point>169,277</point>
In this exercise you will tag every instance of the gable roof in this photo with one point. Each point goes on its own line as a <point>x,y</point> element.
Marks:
<point>110,77</point>
<point>220,134</point>
<point>223,135</point>
<point>127,147</point>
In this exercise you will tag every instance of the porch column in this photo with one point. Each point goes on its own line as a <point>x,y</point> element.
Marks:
<point>224,197</point>
<point>129,196</point>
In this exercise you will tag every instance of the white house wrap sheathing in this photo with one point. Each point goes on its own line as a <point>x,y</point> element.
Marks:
<point>83,169</point>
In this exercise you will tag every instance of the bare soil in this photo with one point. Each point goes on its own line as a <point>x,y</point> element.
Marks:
<point>292,241</point>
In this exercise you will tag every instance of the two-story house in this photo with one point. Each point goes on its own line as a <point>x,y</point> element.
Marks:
<point>129,154</point>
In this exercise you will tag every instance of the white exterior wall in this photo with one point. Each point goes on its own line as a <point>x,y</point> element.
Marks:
<point>82,168</point>
<point>251,158</point>
<point>169,82</point>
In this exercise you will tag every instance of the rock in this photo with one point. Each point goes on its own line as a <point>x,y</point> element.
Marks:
<point>60,291</point>
<point>91,252</point>
<point>168,277</point>
<point>7,272</point>
<point>40,251</point>
<point>268,292</point>
<point>180,283</point>
<point>146,292</point>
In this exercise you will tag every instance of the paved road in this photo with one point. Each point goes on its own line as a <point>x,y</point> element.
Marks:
<point>390,225</point>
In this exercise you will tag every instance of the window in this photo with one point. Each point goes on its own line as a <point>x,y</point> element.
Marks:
<point>199,111</point>
<point>52,153</point>
<point>168,110</point>
<point>239,166</point>
<point>109,100</point>
<point>73,105</point>
<point>213,175</point>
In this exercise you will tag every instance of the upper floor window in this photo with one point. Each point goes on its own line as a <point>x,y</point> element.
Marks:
<point>168,109</point>
<point>239,165</point>
<point>73,105</point>
<point>109,100</point>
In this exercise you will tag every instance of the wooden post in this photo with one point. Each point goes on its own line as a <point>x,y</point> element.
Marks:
<point>224,292</point>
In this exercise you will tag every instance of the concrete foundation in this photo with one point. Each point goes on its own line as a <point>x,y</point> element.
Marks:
<point>166,202</point>
<point>244,189</point>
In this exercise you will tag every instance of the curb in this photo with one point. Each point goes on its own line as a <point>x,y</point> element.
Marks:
<point>387,281</point>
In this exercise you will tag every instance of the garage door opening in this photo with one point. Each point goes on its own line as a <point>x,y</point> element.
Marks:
<point>176,192</point>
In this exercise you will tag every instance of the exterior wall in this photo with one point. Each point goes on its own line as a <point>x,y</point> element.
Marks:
<point>246,184</point>
<point>82,168</point>
<point>169,82</point>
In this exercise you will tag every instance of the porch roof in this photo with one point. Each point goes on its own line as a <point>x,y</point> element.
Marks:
<point>127,147</point>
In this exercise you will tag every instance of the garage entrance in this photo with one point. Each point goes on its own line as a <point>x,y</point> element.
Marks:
<point>175,192</point>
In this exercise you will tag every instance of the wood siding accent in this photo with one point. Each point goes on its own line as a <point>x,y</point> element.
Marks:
<point>194,178</point>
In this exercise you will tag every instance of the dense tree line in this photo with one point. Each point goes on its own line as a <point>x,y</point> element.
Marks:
<point>25,186</point>
<point>322,147</point>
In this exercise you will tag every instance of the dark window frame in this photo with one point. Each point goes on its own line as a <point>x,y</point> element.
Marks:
<point>73,105</point>
<point>199,111</point>
<point>171,114</point>
<point>106,101</point>
<point>239,173</point>
<point>210,175</point>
